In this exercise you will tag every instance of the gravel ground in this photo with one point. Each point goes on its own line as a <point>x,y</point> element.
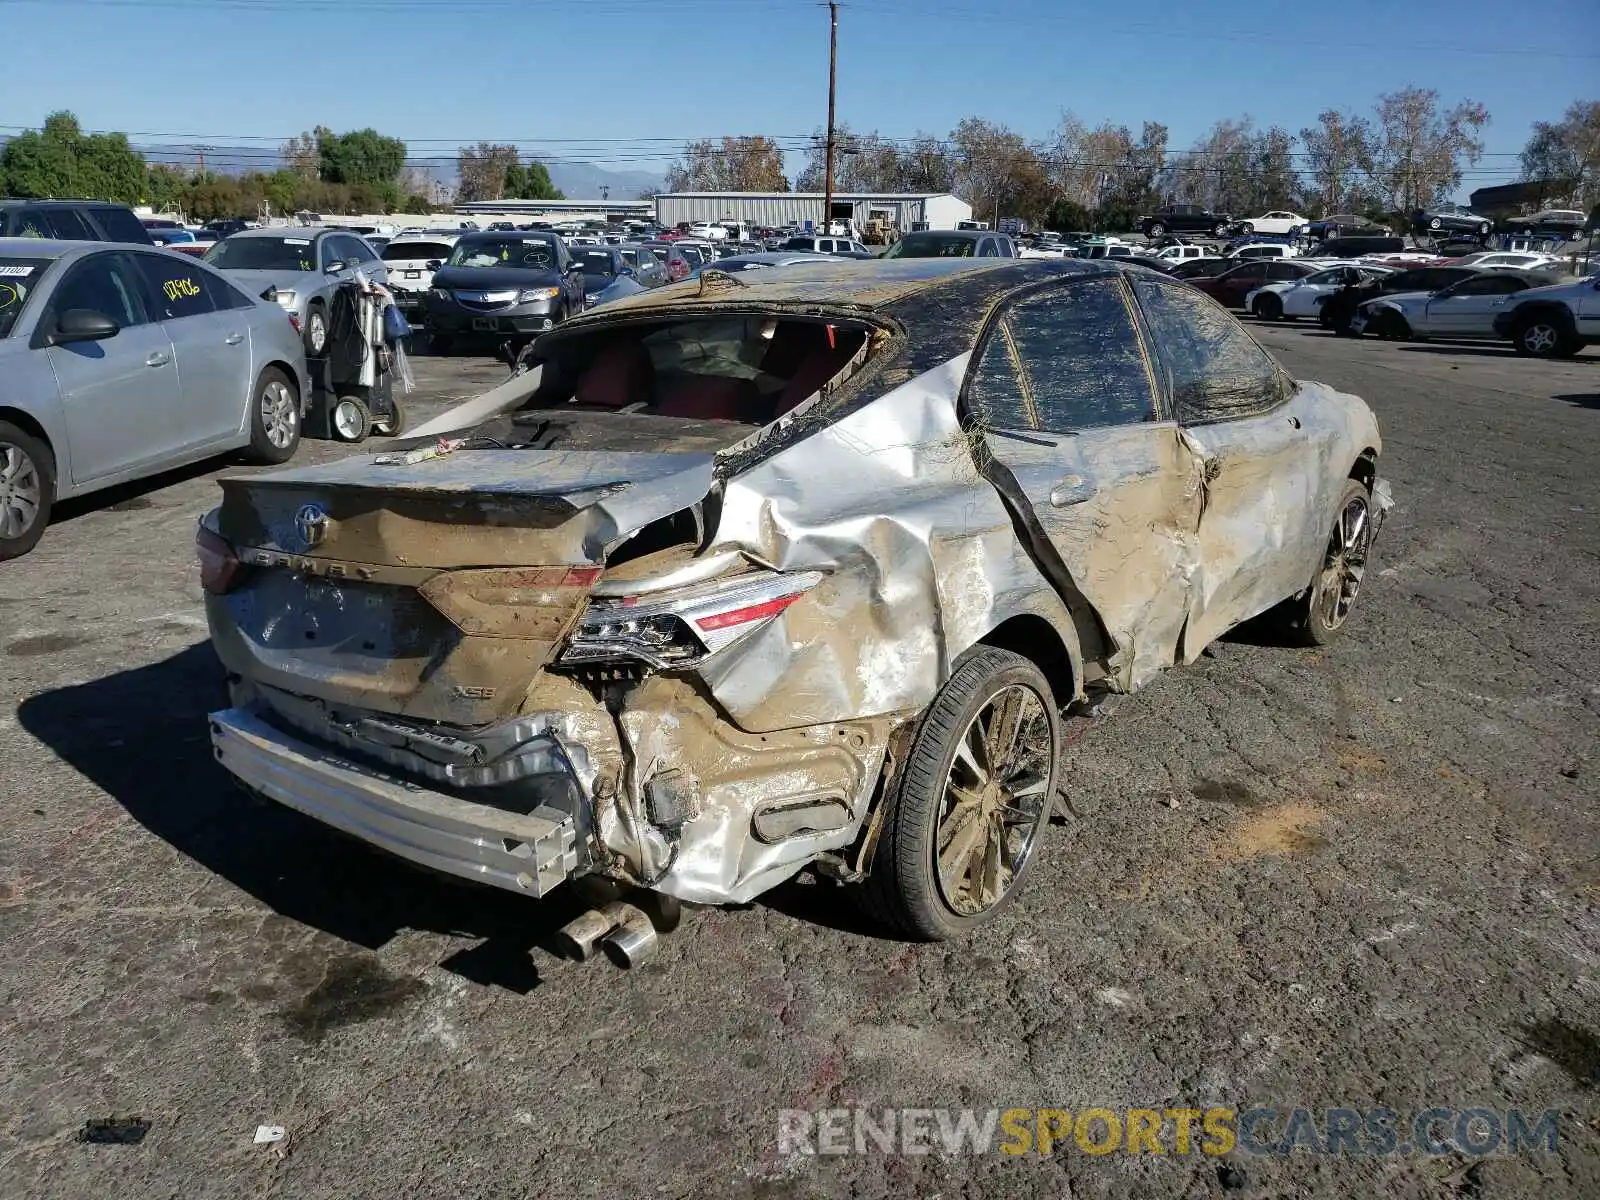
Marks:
<point>1362,876</point>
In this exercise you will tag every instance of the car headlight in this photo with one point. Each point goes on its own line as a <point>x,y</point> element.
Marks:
<point>284,298</point>
<point>529,295</point>
<point>439,293</point>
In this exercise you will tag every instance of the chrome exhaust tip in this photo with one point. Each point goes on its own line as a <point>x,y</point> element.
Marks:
<point>633,941</point>
<point>579,937</point>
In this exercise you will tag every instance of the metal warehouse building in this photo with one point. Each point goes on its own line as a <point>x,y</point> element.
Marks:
<point>778,209</point>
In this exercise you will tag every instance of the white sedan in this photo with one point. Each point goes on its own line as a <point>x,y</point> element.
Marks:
<point>1303,297</point>
<point>1274,222</point>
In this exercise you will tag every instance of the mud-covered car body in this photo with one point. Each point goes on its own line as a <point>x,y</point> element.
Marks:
<point>630,629</point>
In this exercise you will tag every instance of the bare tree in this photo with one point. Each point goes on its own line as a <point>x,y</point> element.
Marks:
<point>302,154</point>
<point>732,164</point>
<point>1338,160</point>
<point>1420,149</point>
<point>481,170</point>
<point>1565,154</point>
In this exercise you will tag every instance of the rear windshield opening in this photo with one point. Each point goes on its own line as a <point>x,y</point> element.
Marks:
<point>747,369</point>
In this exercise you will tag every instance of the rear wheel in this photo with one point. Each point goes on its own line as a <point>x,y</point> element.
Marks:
<point>966,808</point>
<point>1156,229</point>
<point>1219,229</point>
<point>27,489</point>
<point>1542,336</point>
<point>274,419</point>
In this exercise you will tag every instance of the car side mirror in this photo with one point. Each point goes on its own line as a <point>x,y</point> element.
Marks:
<point>270,295</point>
<point>435,263</point>
<point>628,272</point>
<point>574,268</point>
<point>83,325</point>
<point>334,267</point>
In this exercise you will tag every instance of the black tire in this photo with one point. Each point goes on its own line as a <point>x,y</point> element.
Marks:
<point>1156,229</point>
<point>1435,223</point>
<point>904,890</point>
<point>1540,335</point>
<point>440,343</point>
<point>1269,307</point>
<point>1219,229</point>
<point>275,419</point>
<point>1305,616</point>
<point>316,320</point>
<point>1246,228</point>
<point>392,423</point>
<point>27,490</point>
<point>351,419</point>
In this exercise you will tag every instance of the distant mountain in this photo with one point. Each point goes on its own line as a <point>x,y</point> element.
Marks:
<point>580,181</point>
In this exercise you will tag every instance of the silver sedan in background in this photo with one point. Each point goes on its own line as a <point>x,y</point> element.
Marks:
<point>302,267</point>
<point>121,361</point>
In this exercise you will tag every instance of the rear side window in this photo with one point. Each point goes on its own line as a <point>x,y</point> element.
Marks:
<point>1215,368</point>
<point>1281,272</point>
<point>176,288</point>
<point>27,223</point>
<point>1065,359</point>
<point>119,225</point>
<point>68,225</point>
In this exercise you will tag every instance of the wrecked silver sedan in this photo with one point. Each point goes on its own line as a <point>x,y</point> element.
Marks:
<point>788,569</point>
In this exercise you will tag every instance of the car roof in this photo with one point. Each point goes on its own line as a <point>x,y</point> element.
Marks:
<point>870,284</point>
<point>15,202</point>
<point>22,247</point>
<point>282,231</point>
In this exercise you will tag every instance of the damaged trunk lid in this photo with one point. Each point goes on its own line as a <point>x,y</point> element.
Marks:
<point>436,589</point>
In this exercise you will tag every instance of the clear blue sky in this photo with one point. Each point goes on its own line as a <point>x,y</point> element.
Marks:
<point>610,74</point>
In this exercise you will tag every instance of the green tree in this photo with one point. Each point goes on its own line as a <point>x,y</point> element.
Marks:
<point>417,206</point>
<point>531,182</point>
<point>363,156</point>
<point>61,160</point>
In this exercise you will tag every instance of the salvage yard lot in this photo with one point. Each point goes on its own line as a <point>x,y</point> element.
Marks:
<point>1361,876</point>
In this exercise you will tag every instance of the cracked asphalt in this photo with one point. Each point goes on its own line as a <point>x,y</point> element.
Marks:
<point>1363,876</point>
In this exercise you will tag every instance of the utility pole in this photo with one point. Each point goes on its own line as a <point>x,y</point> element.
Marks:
<point>827,152</point>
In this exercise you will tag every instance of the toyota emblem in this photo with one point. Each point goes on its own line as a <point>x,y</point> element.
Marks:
<point>311,522</point>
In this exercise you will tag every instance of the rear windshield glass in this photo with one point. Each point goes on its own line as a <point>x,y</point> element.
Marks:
<point>422,251</point>
<point>749,370</point>
<point>933,245</point>
<point>596,262</point>
<point>528,253</point>
<point>263,254</point>
<point>17,279</point>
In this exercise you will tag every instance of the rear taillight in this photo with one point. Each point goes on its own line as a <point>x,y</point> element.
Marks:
<point>680,628</point>
<point>219,565</point>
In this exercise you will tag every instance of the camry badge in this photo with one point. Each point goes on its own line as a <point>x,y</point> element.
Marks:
<point>311,523</point>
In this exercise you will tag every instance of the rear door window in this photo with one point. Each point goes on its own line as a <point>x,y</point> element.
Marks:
<point>177,289</point>
<point>119,224</point>
<point>1065,359</point>
<point>66,224</point>
<point>1216,371</point>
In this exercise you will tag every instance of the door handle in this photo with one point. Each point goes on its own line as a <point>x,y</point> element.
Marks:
<point>158,359</point>
<point>1074,489</point>
<point>233,339</point>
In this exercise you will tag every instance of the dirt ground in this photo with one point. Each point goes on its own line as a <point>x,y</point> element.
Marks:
<point>1364,876</point>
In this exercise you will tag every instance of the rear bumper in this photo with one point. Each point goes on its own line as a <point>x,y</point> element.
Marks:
<point>531,854</point>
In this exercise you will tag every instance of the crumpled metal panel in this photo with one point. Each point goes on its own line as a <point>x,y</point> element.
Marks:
<point>920,552</point>
<point>1272,490</point>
